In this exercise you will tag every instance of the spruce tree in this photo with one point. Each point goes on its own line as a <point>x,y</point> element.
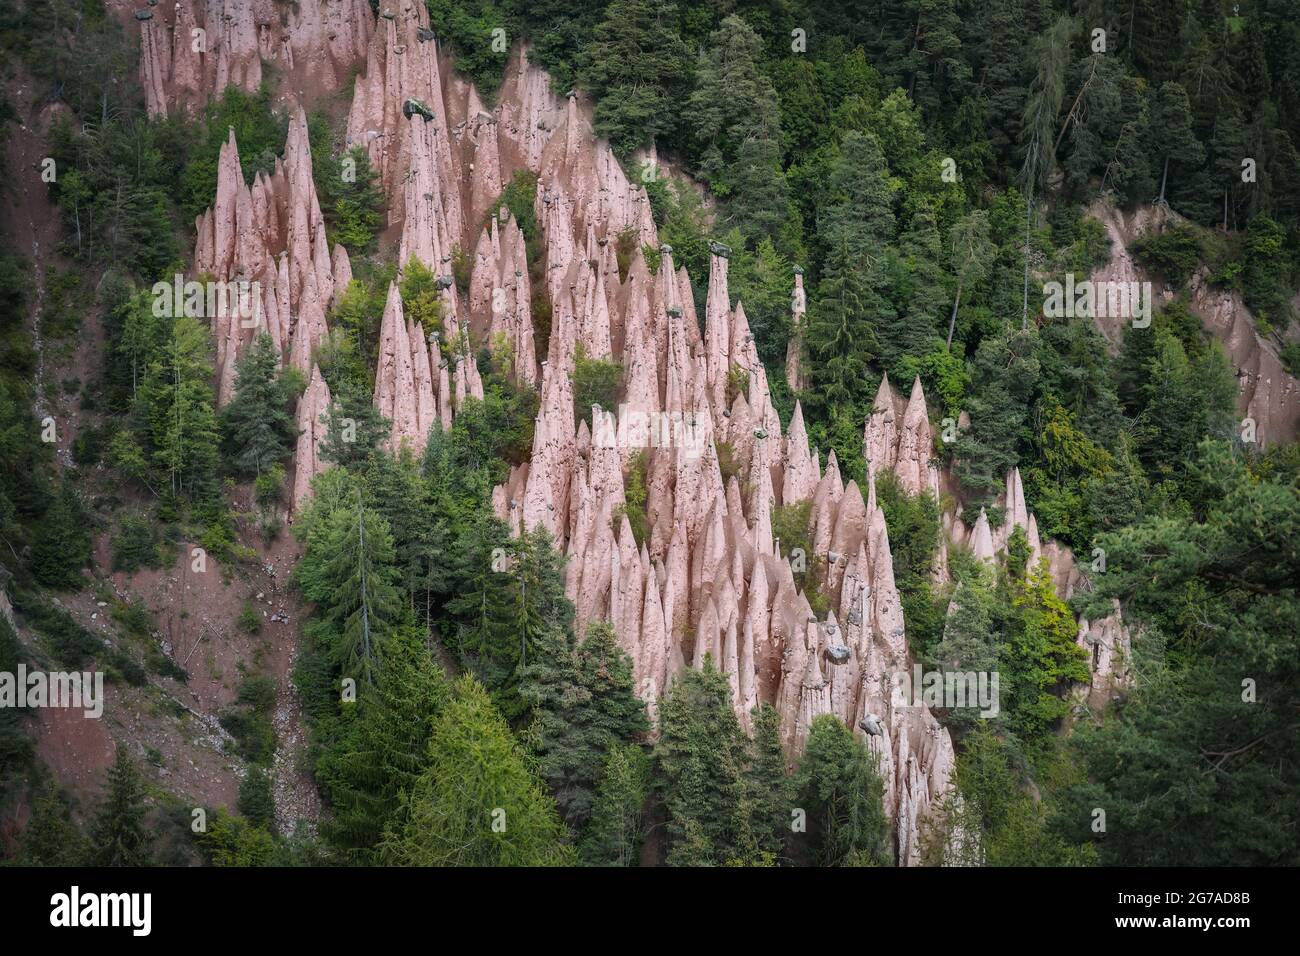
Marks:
<point>583,704</point>
<point>383,747</point>
<point>636,66</point>
<point>842,793</point>
<point>511,598</point>
<point>701,755</point>
<point>347,569</point>
<point>256,801</point>
<point>617,827</point>
<point>769,788</point>
<point>259,429</point>
<point>61,544</point>
<point>118,835</point>
<point>182,421</point>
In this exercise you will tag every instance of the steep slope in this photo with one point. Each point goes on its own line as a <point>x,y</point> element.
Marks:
<point>709,578</point>
<point>1266,393</point>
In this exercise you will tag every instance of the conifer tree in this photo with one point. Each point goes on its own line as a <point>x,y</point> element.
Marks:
<point>477,803</point>
<point>182,421</point>
<point>259,428</point>
<point>635,66</point>
<point>583,704</point>
<point>61,545</point>
<point>701,754</point>
<point>347,570</point>
<point>614,834</point>
<point>511,597</point>
<point>1042,657</point>
<point>769,788</point>
<point>383,748</point>
<point>119,836</point>
<point>1173,139</point>
<point>842,792</point>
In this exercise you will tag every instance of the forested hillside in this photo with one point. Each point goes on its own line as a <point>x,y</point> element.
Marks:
<point>437,622</point>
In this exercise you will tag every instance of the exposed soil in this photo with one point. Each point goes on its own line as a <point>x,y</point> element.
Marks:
<point>172,728</point>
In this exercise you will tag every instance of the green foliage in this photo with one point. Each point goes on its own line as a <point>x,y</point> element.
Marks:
<point>1208,755</point>
<point>992,821</point>
<point>595,382</point>
<point>634,492</point>
<point>913,523</point>
<point>617,828</point>
<point>234,841</point>
<point>180,434</point>
<point>420,299</point>
<point>136,544</point>
<point>348,570</point>
<point>701,760</point>
<point>258,426</point>
<point>468,25</point>
<point>256,801</point>
<point>1043,656</point>
<point>62,547</point>
<point>118,834</point>
<point>477,803</point>
<point>841,791</point>
<point>348,187</point>
<point>583,705</point>
<point>1173,253</point>
<point>381,748</point>
<point>51,838</point>
<point>510,600</point>
<point>258,130</point>
<point>636,67</point>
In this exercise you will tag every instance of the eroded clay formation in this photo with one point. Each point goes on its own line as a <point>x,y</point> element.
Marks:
<point>191,50</point>
<point>709,578</point>
<point>1266,392</point>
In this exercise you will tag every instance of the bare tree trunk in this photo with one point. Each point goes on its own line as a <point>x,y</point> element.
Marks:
<point>952,320</point>
<point>1024,317</point>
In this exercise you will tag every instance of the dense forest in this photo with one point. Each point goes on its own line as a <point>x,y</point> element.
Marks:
<point>927,166</point>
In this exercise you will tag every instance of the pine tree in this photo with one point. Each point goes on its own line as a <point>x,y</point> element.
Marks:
<point>61,545</point>
<point>1005,380</point>
<point>920,293</point>
<point>613,835</point>
<point>636,67</point>
<point>970,255</point>
<point>842,793</point>
<point>700,755</point>
<point>477,803</point>
<point>259,429</point>
<point>50,838</point>
<point>118,835</point>
<point>841,337</point>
